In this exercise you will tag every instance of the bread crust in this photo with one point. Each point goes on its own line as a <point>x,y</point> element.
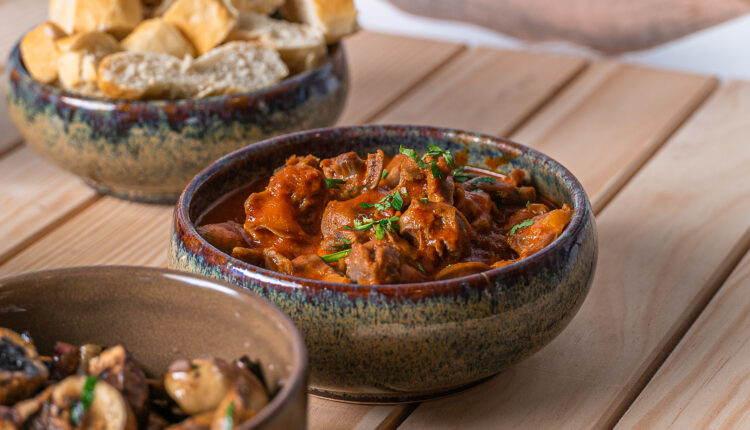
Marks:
<point>157,35</point>
<point>40,53</point>
<point>335,18</point>
<point>263,7</point>
<point>206,23</point>
<point>79,58</point>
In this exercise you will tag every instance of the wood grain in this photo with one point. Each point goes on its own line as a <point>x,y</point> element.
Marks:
<point>35,197</point>
<point>704,383</point>
<point>611,26</point>
<point>383,67</point>
<point>16,18</point>
<point>607,123</point>
<point>666,242</point>
<point>485,90</point>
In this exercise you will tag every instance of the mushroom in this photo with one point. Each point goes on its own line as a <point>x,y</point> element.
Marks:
<point>107,410</point>
<point>21,371</point>
<point>198,385</point>
<point>242,402</point>
<point>197,422</point>
<point>115,366</point>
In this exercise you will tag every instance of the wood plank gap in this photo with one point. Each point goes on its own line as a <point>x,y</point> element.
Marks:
<point>397,416</point>
<point>610,190</point>
<point>693,312</point>
<point>15,146</point>
<point>59,222</point>
<point>554,93</point>
<point>413,87</point>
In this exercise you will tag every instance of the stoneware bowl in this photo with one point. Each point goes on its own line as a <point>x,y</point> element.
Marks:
<point>149,150</point>
<point>161,316</point>
<point>392,343</point>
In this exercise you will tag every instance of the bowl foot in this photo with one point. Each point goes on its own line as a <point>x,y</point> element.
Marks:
<point>135,196</point>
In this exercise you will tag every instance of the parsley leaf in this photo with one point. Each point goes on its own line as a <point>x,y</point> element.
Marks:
<point>459,175</point>
<point>397,202</point>
<point>484,180</point>
<point>87,397</point>
<point>527,203</point>
<point>334,183</point>
<point>384,174</point>
<point>229,417</point>
<point>336,256</point>
<point>436,173</point>
<point>413,155</point>
<point>379,231</point>
<point>424,200</point>
<point>526,223</point>
<point>421,269</point>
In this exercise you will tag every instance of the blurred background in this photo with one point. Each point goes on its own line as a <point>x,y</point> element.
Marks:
<point>701,36</point>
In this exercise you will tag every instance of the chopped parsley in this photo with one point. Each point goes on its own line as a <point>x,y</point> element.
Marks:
<point>346,245</point>
<point>229,417</point>
<point>421,269</point>
<point>435,152</point>
<point>393,199</point>
<point>527,203</point>
<point>336,256</point>
<point>413,155</point>
<point>424,200</point>
<point>87,397</point>
<point>379,231</point>
<point>384,174</point>
<point>351,192</point>
<point>484,180</point>
<point>334,183</point>
<point>526,223</point>
<point>385,223</point>
<point>459,175</point>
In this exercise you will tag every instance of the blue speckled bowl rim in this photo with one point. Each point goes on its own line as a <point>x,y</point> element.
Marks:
<point>97,103</point>
<point>299,353</point>
<point>567,239</point>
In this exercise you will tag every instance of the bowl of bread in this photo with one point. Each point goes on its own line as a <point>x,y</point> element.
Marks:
<point>137,96</point>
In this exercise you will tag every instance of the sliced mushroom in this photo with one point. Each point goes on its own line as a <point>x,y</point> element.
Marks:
<point>21,371</point>
<point>242,402</point>
<point>115,366</point>
<point>199,385</point>
<point>108,409</point>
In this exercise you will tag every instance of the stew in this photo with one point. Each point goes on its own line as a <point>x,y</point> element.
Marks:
<point>384,220</point>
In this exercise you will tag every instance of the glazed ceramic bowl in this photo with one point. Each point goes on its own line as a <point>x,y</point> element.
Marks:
<point>149,150</point>
<point>160,316</point>
<point>391,343</point>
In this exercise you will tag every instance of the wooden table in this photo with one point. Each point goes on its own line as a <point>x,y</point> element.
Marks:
<point>662,339</point>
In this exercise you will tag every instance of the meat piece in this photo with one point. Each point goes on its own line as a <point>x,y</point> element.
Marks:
<point>402,169</point>
<point>115,366</point>
<point>439,231</point>
<point>343,213</point>
<point>358,175</point>
<point>293,202</point>
<point>439,188</point>
<point>312,266</point>
<point>248,255</point>
<point>541,232</point>
<point>500,191</point>
<point>372,263</point>
<point>478,208</point>
<point>274,260</point>
<point>225,236</point>
<point>461,269</point>
<point>524,214</point>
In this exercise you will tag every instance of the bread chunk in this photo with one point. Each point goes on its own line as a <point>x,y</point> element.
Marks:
<point>142,75</point>
<point>301,46</point>
<point>335,18</point>
<point>117,17</point>
<point>159,36</point>
<point>264,7</point>
<point>79,57</point>
<point>40,53</point>
<point>206,23</point>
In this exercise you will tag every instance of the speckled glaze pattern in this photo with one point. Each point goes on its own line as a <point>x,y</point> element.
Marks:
<point>406,342</point>
<point>161,316</point>
<point>149,150</point>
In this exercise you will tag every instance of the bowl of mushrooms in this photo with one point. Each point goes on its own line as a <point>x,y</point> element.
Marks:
<point>127,348</point>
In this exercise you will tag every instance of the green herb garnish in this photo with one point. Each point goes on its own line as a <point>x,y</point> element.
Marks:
<point>336,256</point>
<point>87,397</point>
<point>388,224</point>
<point>424,200</point>
<point>527,203</point>
<point>421,269</point>
<point>229,417</point>
<point>384,174</point>
<point>350,193</point>
<point>413,155</point>
<point>484,180</point>
<point>459,175</point>
<point>526,223</point>
<point>379,231</point>
<point>393,199</point>
<point>436,173</point>
<point>346,245</point>
<point>334,183</point>
<point>437,151</point>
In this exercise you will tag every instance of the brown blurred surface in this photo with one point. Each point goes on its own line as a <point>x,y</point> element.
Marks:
<point>610,26</point>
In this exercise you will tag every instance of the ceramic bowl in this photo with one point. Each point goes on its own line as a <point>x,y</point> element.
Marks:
<point>406,342</point>
<point>149,150</point>
<point>160,316</point>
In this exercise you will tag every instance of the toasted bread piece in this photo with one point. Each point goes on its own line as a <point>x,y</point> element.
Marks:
<point>301,46</point>
<point>159,36</point>
<point>142,75</point>
<point>264,7</point>
<point>335,18</point>
<point>40,53</point>
<point>117,17</point>
<point>204,22</point>
<point>79,57</point>
<point>236,67</point>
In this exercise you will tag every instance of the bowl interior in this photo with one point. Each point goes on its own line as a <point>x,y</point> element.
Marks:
<point>158,315</point>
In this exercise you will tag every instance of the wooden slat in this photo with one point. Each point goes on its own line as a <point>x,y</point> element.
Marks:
<point>666,241</point>
<point>35,197</point>
<point>383,67</point>
<point>611,120</point>
<point>704,383</point>
<point>17,17</point>
<point>485,90</point>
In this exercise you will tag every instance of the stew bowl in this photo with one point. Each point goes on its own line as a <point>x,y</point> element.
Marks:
<point>149,150</point>
<point>406,342</point>
<point>161,316</point>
